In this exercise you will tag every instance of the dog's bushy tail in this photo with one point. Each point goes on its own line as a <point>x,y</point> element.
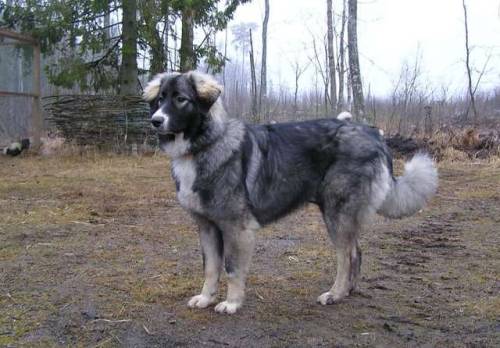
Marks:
<point>409,193</point>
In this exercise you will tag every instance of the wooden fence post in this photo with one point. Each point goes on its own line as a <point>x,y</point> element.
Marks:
<point>37,120</point>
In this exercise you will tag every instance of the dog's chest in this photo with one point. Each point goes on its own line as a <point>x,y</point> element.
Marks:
<point>184,171</point>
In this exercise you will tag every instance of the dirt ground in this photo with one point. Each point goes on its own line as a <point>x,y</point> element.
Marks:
<point>96,252</point>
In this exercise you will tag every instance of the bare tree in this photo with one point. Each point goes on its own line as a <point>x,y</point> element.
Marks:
<point>322,69</point>
<point>166,34</point>
<point>341,59</point>
<point>225,58</point>
<point>316,92</point>
<point>331,56</point>
<point>299,70</point>
<point>241,40</point>
<point>407,89</point>
<point>354,69</point>
<point>175,60</point>
<point>468,67</point>
<point>253,78</point>
<point>263,65</point>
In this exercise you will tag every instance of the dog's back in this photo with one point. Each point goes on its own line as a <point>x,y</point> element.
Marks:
<point>285,164</point>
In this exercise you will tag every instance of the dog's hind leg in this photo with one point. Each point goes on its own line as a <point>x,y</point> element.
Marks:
<point>212,250</point>
<point>344,231</point>
<point>345,202</point>
<point>239,241</point>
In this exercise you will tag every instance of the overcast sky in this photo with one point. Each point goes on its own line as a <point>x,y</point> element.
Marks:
<point>389,32</point>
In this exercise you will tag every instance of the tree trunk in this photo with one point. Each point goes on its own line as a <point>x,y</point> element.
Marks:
<point>186,52</point>
<point>166,33</point>
<point>128,69</point>
<point>175,36</point>
<point>349,91</point>
<point>331,57</point>
<point>106,24</point>
<point>327,78</point>
<point>107,32</point>
<point>316,93</point>
<point>354,69</point>
<point>263,68</point>
<point>157,52</point>
<point>341,60</point>
<point>296,94</point>
<point>254,79</point>
<point>225,65</point>
<point>467,65</point>
<point>298,73</point>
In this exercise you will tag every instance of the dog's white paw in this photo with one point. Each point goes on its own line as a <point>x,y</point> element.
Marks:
<point>227,307</point>
<point>328,298</point>
<point>200,301</point>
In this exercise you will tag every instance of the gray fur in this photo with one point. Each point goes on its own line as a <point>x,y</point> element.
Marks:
<point>212,249</point>
<point>234,178</point>
<point>410,192</point>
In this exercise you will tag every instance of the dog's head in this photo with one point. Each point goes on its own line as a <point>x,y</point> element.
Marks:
<point>180,103</point>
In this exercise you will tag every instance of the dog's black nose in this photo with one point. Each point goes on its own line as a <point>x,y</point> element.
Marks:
<point>157,121</point>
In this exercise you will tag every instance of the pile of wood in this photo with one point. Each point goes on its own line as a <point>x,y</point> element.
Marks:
<point>480,143</point>
<point>100,120</point>
<point>405,146</point>
<point>473,143</point>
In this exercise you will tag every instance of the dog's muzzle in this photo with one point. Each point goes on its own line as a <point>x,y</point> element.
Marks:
<point>157,121</point>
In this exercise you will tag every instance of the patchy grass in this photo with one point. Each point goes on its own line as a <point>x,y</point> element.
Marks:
<point>487,307</point>
<point>95,251</point>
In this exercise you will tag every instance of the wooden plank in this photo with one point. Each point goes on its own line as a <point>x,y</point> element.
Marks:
<point>17,94</point>
<point>17,36</point>
<point>15,43</point>
<point>37,110</point>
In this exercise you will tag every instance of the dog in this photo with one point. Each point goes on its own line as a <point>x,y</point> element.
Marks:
<point>234,178</point>
<point>347,116</point>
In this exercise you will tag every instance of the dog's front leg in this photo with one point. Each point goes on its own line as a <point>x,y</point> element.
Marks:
<point>239,242</point>
<point>212,251</point>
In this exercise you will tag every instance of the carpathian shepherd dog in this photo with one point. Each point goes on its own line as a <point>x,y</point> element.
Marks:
<point>233,178</point>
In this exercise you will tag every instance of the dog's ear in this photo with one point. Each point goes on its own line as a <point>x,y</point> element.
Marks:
<point>207,88</point>
<point>152,89</point>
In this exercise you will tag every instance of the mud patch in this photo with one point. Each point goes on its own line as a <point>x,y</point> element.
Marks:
<point>95,251</point>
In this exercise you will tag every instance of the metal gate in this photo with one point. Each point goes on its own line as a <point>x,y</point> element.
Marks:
<point>20,111</point>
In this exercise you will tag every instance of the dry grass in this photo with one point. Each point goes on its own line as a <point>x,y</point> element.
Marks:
<point>93,247</point>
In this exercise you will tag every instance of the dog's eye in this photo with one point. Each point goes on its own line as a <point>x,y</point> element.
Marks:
<point>180,99</point>
<point>160,100</point>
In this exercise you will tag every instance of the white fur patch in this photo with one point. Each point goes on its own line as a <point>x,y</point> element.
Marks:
<point>328,298</point>
<point>177,148</point>
<point>184,170</point>
<point>252,225</point>
<point>217,112</point>
<point>380,188</point>
<point>253,168</point>
<point>228,307</point>
<point>344,115</point>
<point>413,190</point>
<point>201,301</point>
